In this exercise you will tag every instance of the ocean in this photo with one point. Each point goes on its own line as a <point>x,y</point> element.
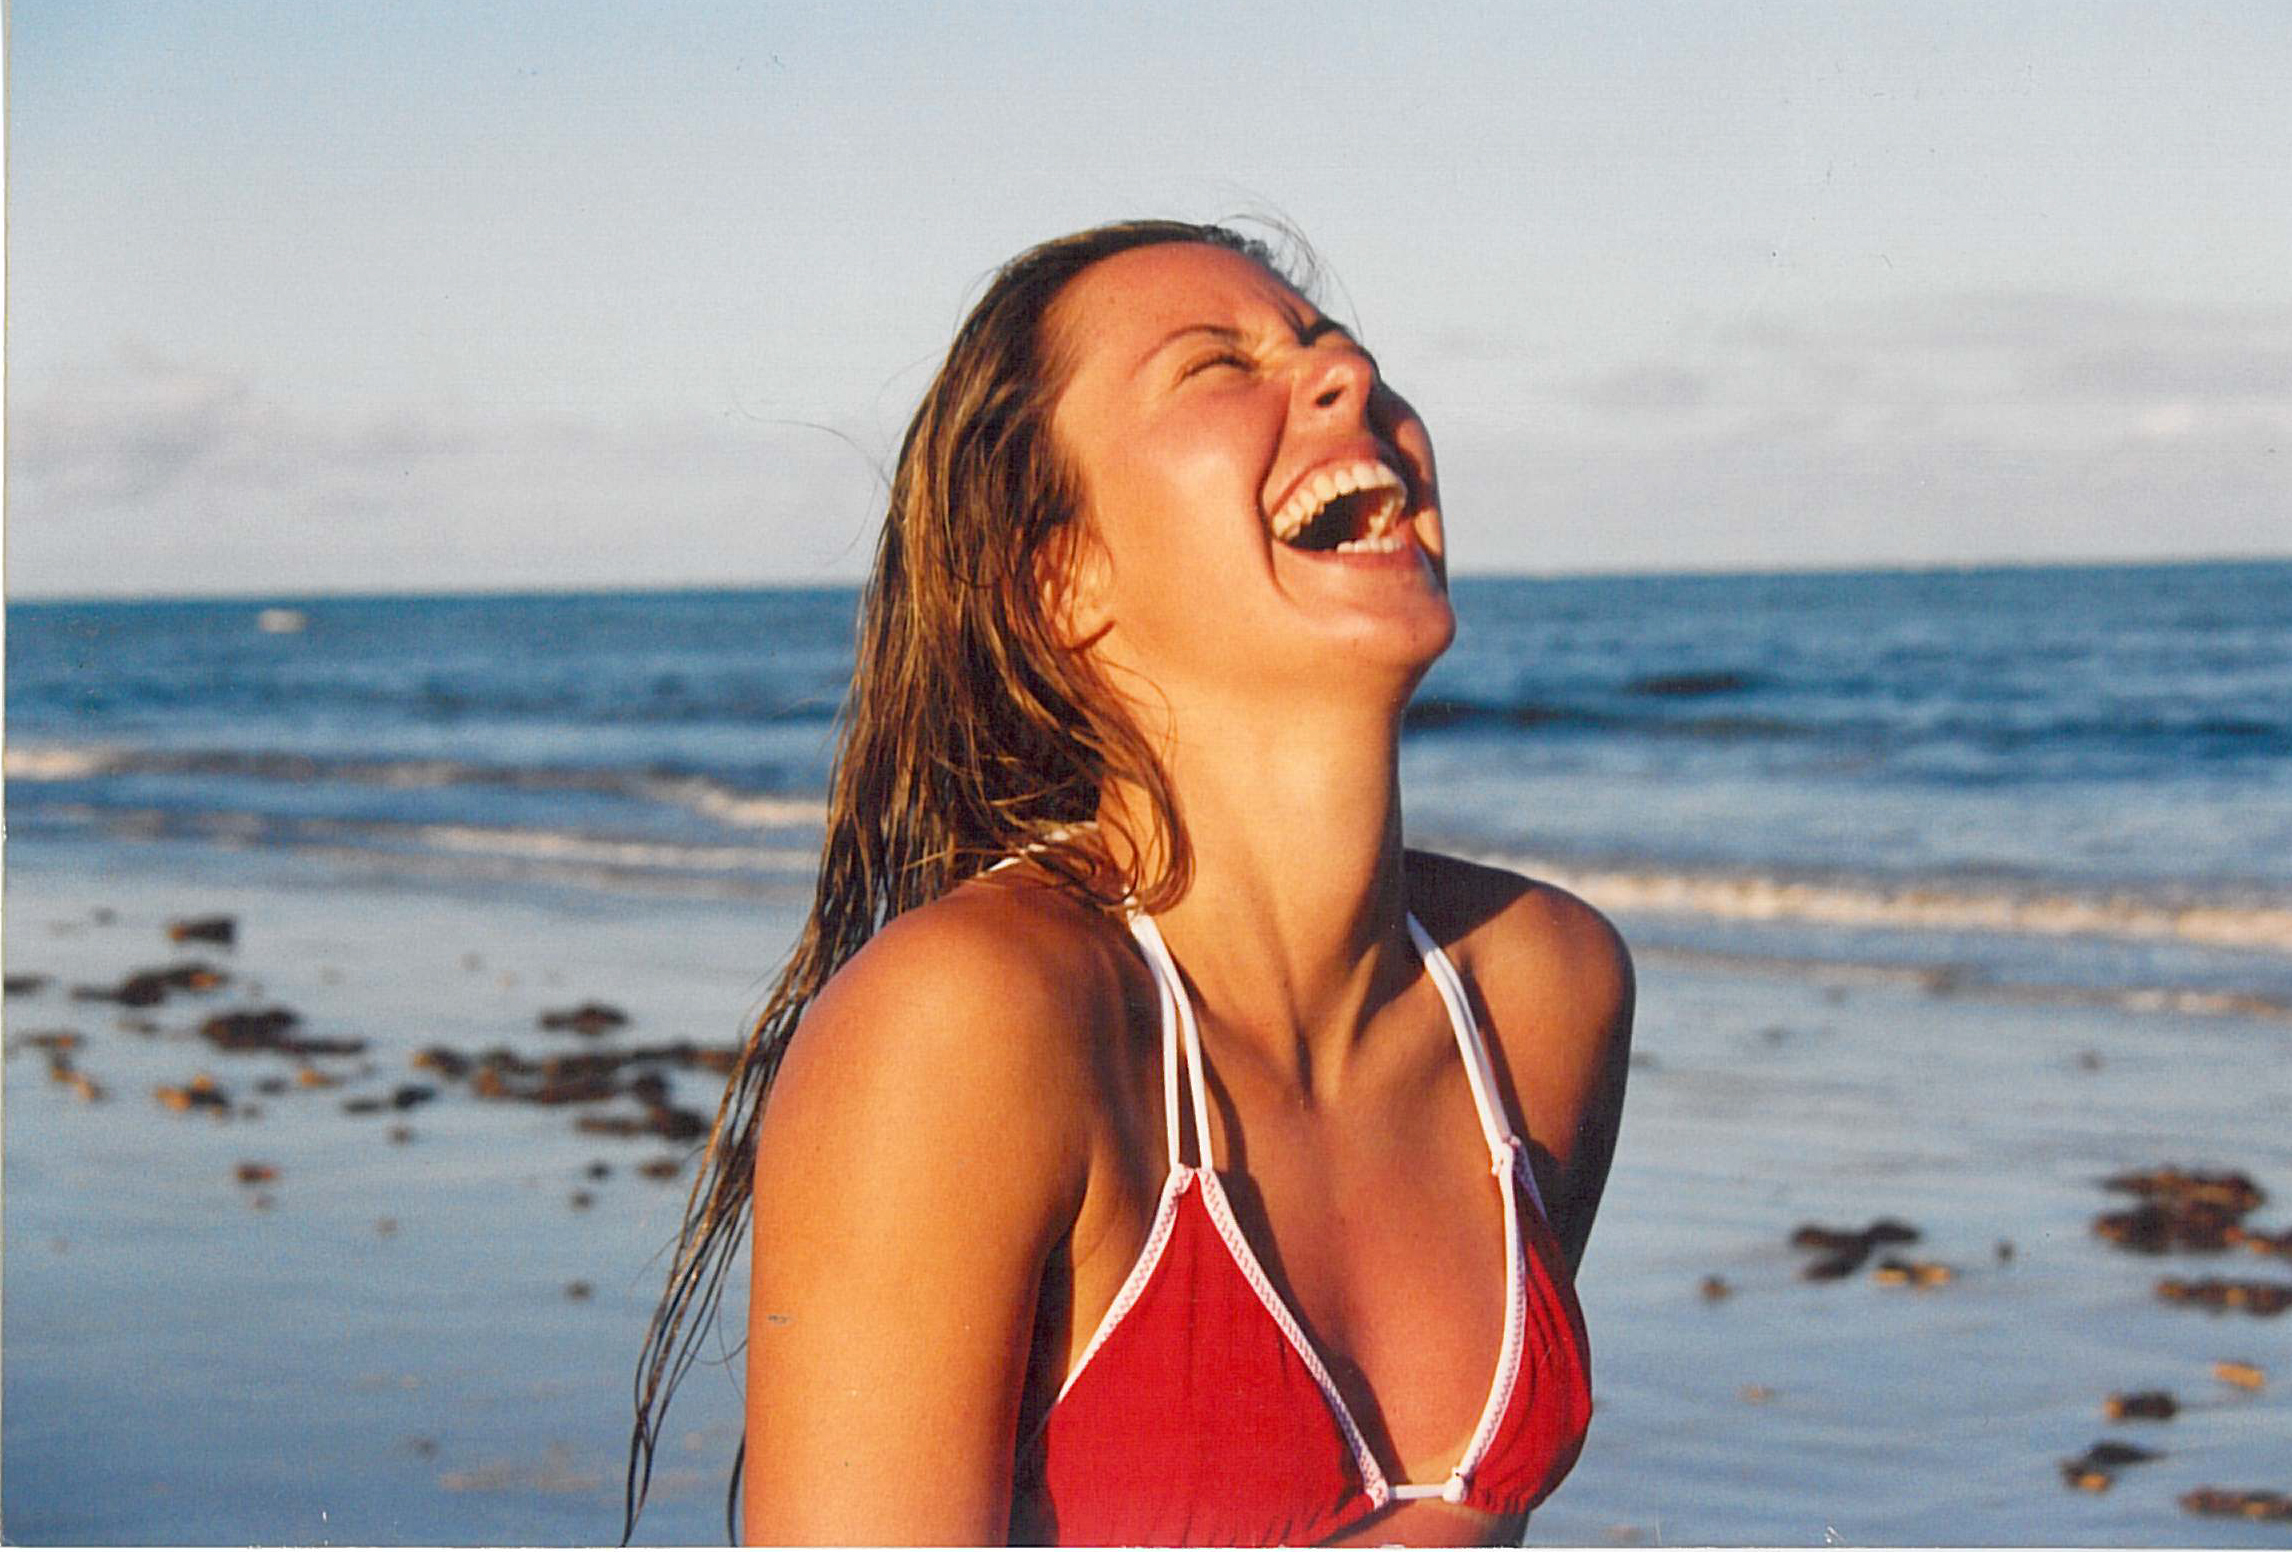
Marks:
<point>1952,892</point>
<point>1922,766</point>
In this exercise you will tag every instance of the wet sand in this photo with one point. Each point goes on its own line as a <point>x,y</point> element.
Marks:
<point>319,1310</point>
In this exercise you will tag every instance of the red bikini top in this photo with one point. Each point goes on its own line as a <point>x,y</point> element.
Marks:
<point>1200,1414</point>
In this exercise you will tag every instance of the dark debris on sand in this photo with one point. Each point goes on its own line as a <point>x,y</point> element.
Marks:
<point>2185,1210</point>
<point>590,1018</point>
<point>1845,1250</point>
<point>2096,1470</point>
<point>2232,1189</point>
<point>149,988</point>
<point>2253,1296</point>
<point>268,1029</point>
<point>588,1078</point>
<point>2189,1210</point>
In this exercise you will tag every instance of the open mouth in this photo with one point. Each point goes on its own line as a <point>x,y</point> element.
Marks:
<point>1346,508</point>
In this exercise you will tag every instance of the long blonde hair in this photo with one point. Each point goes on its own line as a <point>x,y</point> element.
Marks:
<point>970,732</point>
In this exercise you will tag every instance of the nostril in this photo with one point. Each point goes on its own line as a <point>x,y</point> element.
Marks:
<point>1328,397</point>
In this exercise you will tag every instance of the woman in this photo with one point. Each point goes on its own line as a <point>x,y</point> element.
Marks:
<point>1053,1238</point>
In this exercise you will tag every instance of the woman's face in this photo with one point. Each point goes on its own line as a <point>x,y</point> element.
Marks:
<point>1263,507</point>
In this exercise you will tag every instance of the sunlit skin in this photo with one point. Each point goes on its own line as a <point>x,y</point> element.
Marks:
<point>960,1160</point>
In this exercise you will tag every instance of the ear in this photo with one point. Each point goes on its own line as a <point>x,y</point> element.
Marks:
<point>1073,577</point>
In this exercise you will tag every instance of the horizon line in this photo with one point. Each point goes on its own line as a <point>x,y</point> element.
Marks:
<point>1557,574</point>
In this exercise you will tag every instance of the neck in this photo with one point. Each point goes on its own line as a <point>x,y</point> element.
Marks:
<point>1294,918</point>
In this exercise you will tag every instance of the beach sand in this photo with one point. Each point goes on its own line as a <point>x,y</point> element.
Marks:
<point>431,1340</point>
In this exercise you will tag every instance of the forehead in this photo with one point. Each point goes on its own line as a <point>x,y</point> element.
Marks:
<point>1122,305</point>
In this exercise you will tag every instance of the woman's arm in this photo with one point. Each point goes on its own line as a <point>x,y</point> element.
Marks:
<point>922,1152</point>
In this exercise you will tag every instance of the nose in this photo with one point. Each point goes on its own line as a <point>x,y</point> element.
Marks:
<point>1337,375</point>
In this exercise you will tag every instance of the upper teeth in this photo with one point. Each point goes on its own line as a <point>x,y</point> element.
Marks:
<point>1326,485</point>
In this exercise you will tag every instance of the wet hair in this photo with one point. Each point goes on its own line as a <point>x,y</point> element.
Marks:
<point>970,733</point>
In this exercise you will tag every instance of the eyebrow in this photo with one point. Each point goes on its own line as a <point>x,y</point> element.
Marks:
<point>1307,335</point>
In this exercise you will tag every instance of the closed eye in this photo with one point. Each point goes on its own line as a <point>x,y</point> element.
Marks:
<point>1218,358</point>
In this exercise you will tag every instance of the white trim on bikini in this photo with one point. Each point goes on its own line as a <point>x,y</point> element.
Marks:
<point>1133,1286</point>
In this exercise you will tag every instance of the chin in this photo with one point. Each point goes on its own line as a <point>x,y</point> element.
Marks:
<point>1387,650</point>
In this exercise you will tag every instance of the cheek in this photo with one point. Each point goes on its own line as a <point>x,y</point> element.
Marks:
<point>1180,509</point>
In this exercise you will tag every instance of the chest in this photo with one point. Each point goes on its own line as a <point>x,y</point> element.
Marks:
<point>1389,1248</point>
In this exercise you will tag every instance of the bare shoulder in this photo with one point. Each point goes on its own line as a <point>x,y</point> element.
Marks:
<point>924,1148</point>
<point>1556,985</point>
<point>984,1010</point>
<point>1534,946</point>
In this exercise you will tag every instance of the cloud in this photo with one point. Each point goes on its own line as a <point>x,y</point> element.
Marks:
<point>1649,388</point>
<point>1938,431</point>
<point>143,472</point>
<point>1933,431</point>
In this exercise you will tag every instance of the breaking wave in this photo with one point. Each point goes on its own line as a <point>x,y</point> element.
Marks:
<point>2264,925</point>
<point>707,796</point>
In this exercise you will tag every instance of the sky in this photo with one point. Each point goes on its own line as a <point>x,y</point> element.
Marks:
<point>310,297</point>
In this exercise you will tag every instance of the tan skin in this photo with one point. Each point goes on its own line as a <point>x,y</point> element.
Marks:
<point>961,1157</point>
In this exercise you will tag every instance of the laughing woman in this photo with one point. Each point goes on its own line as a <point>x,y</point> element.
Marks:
<point>1142,1145</point>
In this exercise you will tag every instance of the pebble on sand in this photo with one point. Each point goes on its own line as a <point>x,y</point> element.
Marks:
<point>201,1093</point>
<point>1714,1288</point>
<point>220,930</point>
<point>251,1173</point>
<point>2262,1241</point>
<point>1895,1272</point>
<point>578,1290</point>
<point>2237,1503</point>
<point>2153,1405</point>
<point>2244,1376</point>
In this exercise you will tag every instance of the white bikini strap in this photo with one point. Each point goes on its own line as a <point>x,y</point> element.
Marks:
<point>1177,1023</point>
<point>1477,1068</point>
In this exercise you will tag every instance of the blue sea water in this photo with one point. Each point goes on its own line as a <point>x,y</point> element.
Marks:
<point>2074,776</point>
